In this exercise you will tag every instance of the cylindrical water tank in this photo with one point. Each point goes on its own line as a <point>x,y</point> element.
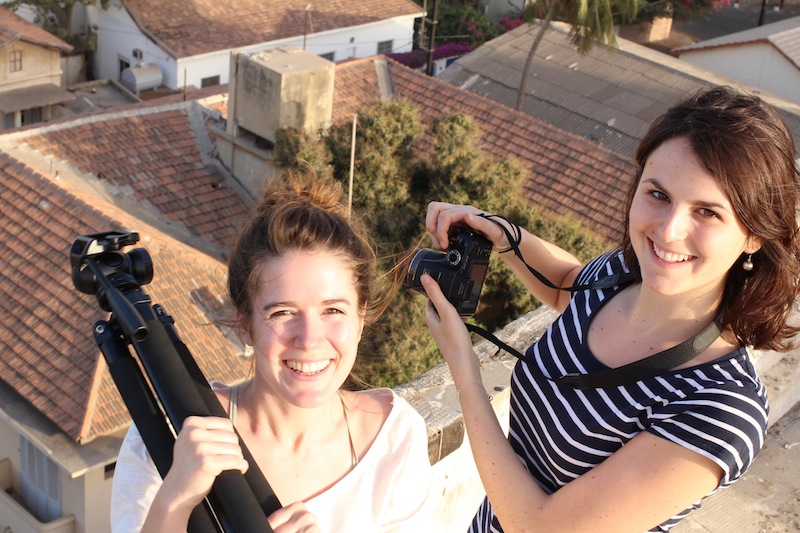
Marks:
<point>142,77</point>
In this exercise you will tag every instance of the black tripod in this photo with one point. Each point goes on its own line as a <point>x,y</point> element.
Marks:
<point>237,503</point>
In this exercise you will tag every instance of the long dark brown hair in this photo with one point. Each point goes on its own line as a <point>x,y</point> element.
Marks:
<point>743,142</point>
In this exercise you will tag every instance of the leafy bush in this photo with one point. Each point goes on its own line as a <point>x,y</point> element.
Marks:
<point>393,182</point>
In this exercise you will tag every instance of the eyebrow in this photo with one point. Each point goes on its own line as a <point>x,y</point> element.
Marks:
<point>330,301</point>
<point>710,205</point>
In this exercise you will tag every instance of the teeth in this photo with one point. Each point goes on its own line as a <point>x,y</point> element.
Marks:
<point>309,369</point>
<point>669,256</point>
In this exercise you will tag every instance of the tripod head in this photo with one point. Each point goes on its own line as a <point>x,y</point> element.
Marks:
<point>103,250</point>
<point>100,268</point>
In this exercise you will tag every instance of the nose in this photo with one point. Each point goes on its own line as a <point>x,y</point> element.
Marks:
<point>674,226</point>
<point>308,331</point>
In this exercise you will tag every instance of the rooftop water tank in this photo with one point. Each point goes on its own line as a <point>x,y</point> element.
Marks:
<point>142,77</point>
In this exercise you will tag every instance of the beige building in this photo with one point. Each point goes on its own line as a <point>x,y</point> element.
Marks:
<point>30,72</point>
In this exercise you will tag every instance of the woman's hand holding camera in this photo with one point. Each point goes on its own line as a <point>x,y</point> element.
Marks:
<point>441,216</point>
<point>448,330</point>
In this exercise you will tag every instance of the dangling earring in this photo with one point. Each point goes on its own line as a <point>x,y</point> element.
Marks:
<point>748,263</point>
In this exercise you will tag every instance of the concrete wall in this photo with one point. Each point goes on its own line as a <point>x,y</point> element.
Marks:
<point>280,88</point>
<point>457,490</point>
<point>247,164</point>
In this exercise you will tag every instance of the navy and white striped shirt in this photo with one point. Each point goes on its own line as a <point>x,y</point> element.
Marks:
<point>717,409</point>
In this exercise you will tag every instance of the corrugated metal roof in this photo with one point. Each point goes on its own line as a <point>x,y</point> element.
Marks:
<point>607,96</point>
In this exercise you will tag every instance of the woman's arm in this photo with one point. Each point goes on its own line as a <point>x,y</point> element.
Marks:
<point>555,264</point>
<point>640,486</point>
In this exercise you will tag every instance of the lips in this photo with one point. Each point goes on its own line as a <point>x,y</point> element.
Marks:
<point>308,368</point>
<point>670,257</point>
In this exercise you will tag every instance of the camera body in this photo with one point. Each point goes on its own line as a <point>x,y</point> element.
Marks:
<point>460,270</point>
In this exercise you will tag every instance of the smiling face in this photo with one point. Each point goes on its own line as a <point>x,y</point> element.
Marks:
<point>682,226</point>
<point>305,326</point>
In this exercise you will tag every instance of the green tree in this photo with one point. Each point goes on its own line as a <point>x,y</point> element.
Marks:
<point>592,22</point>
<point>393,181</point>
<point>464,22</point>
<point>55,16</point>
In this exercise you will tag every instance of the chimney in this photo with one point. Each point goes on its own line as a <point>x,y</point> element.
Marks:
<point>279,88</point>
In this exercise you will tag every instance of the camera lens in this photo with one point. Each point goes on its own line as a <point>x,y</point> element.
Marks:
<point>424,260</point>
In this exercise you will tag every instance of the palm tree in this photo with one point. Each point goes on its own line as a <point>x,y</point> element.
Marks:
<point>592,23</point>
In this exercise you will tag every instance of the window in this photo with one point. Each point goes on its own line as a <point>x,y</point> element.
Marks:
<point>208,82</point>
<point>41,482</point>
<point>385,47</point>
<point>15,61</point>
<point>123,64</point>
<point>31,116</point>
<point>9,120</point>
<point>329,56</point>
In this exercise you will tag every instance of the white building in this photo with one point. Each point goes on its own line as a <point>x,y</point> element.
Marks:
<point>191,42</point>
<point>766,57</point>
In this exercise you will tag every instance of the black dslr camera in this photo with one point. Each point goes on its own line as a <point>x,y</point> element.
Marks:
<point>460,270</point>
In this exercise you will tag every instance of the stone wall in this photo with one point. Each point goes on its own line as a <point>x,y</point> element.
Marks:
<point>457,491</point>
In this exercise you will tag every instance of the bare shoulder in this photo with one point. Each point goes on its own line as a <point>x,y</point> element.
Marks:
<point>373,402</point>
<point>369,409</point>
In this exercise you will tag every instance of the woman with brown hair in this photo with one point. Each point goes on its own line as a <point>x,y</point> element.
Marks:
<point>608,430</point>
<point>301,279</point>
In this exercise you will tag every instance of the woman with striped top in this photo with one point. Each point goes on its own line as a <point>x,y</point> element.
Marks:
<point>710,254</point>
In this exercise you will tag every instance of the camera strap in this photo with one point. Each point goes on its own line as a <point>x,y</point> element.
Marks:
<point>650,366</point>
<point>514,239</point>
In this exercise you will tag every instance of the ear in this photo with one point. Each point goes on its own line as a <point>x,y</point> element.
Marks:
<point>753,244</point>
<point>363,322</point>
<point>244,329</point>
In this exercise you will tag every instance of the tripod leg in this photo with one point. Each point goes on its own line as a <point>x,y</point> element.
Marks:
<point>238,509</point>
<point>255,478</point>
<point>145,413</point>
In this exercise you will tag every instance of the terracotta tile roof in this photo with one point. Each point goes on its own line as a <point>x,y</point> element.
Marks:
<point>151,177</point>
<point>183,27</point>
<point>47,353</point>
<point>14,27</point>
<point>569,175</point>
<point>154,158</point>
<point>607,96</point>
<point>355,86</point>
